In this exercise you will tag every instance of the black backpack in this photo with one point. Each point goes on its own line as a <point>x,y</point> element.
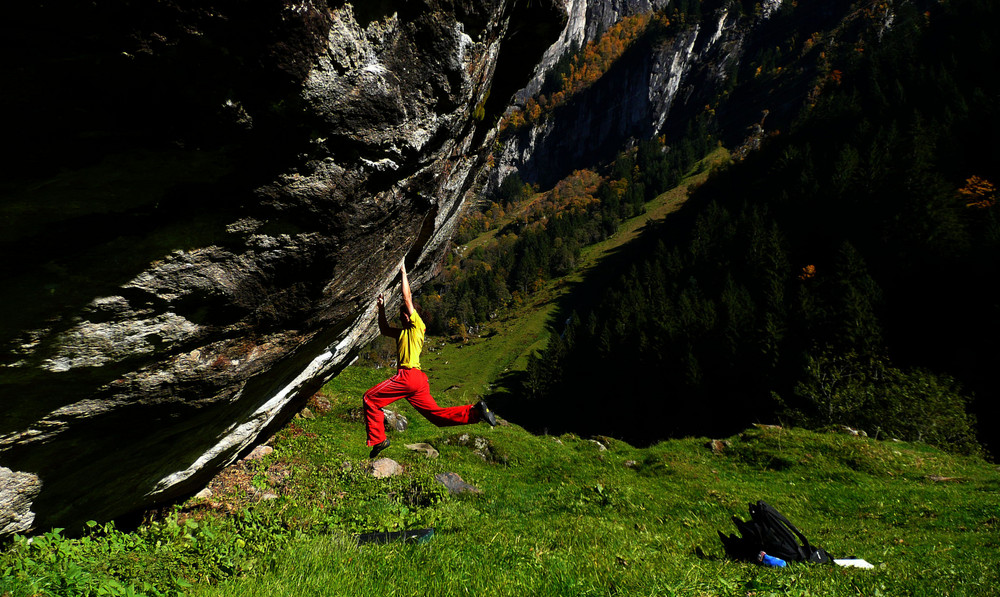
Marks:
<point>769,531</point>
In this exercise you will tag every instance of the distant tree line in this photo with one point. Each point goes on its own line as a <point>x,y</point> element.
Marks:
<point>842,275</point>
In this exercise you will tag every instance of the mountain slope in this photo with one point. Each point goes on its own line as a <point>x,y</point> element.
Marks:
<point>836,276</point>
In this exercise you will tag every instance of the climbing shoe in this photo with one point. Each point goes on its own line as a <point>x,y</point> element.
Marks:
<point>377,448</point>
<point>485,414</point>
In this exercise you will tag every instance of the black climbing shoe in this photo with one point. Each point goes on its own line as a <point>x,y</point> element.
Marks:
<point>485,414</point>
<point>377,448</point>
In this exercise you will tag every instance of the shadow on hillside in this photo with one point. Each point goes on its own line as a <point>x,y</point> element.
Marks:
<point>638,419</point>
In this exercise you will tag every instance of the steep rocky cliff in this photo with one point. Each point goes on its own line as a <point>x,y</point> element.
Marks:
<point>204,200</point>
<point>586,21</point>
<point>706,59</point>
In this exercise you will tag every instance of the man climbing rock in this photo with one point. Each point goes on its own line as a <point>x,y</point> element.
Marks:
<point>410,382</point>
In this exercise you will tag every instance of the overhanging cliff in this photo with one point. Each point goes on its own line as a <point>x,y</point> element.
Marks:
<point>204,202</point>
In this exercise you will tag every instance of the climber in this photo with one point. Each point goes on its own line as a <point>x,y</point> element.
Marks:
<point>409,381</point>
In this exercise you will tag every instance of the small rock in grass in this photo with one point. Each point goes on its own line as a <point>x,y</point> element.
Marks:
<point>386,467</point>
<point>427,449</point>
<point>455,484</point>
<point>259,452</point>
<point>718,446</point>
<point>940,479</point>
<point>394,421</point>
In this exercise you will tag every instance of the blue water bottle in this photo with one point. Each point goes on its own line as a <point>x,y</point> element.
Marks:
<point>765,560</point>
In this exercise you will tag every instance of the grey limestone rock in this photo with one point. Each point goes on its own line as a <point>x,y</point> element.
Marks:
<point>394,421</point>
<point>667,78</point>
<point>455,483</point>
<point>17,492</point>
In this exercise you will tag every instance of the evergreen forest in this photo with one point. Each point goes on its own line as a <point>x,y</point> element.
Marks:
<point>841,275</point>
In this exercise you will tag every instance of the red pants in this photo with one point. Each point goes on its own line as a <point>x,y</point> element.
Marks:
<point>412,385</point>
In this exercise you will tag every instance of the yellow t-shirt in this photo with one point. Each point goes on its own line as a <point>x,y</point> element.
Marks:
<point>410,341</point>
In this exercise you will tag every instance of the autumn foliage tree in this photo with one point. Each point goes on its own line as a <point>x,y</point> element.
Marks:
<point>585,67</point>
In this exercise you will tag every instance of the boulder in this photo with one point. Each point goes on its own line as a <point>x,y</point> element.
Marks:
<point>201,212</point>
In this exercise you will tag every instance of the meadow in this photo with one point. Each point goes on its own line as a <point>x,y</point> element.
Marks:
<point>562,515</point>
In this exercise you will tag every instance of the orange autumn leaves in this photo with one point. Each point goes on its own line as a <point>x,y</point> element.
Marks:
<point>978,193</point>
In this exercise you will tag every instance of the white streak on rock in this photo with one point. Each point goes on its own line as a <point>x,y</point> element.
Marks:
<point>679,65</point>
<point>719,27</point>
<point>239,436</point>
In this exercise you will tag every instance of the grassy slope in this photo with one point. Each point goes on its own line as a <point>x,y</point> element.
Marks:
<point>563,517</point>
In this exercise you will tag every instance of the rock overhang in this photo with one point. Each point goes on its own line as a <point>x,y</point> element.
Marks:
<point>153,354</point>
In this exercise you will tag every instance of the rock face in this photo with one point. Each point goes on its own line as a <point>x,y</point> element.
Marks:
<point>665,79</point>
<point>206,200</point>
<point>586,21</point>
<point>634,99</point>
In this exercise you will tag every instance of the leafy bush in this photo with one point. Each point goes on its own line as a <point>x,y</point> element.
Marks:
<point>869,394</point>
<point>161,559</point>
<point>52,564</point>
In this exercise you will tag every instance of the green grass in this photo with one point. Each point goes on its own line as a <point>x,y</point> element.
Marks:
<point>560,516</point>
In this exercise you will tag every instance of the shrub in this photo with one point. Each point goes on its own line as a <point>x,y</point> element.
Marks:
<point>868,393</point>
